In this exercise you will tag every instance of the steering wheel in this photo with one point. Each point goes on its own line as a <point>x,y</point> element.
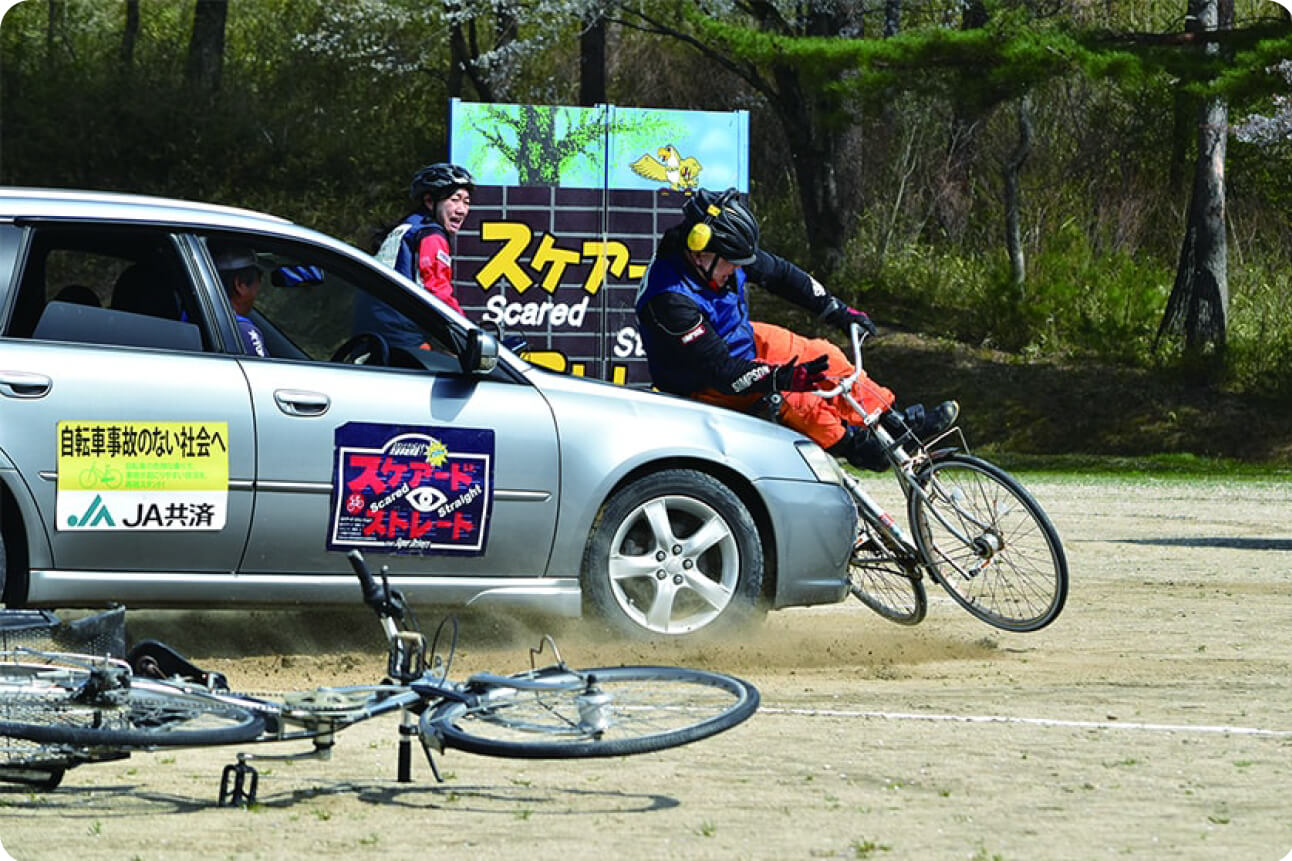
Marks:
<point>365,348</point>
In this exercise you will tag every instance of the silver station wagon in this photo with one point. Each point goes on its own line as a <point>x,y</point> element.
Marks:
<point>148,458</point>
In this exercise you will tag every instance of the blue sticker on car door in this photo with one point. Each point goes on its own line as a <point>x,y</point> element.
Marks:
<point>411,490</point>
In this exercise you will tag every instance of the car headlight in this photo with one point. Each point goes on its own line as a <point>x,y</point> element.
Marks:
<point>823,466</point>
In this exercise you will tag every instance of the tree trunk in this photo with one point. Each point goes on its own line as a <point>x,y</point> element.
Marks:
<point>1198,307</point>
<point>1199,304</point>
<point>592,60</point>
<point>813,153</point>
<point>892,17</point>
<point>129,36</point>
<point>506,30</point>
<point>1013,197</point>
<point>206,46</point>
<point>53,23</point>
<point>816,148</point>
<point>955,196</point>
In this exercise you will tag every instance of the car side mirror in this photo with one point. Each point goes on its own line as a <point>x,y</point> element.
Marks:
<point>516,343</point>
<point>480,356</point>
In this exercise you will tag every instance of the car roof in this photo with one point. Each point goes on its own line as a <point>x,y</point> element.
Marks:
<point>54,204</point>
<point>17,203</point>
<point>75,203</point>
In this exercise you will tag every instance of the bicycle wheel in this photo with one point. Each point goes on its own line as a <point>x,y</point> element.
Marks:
<point>49,705</point>
<point>611,711</point>
<point>989,544</point>
<point>878,579</point>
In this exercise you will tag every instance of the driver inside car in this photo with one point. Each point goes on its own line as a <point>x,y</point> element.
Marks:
<point>240,273</point>
<point>700,343</point>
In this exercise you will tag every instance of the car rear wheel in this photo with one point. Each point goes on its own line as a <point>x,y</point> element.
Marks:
<point>673,553</point>
<point>13,553</point>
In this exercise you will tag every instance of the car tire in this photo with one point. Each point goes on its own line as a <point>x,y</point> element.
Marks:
<point>14,560</point>
<point>673,553</point>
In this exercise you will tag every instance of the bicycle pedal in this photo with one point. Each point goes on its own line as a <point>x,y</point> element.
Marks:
<point>238,784</point>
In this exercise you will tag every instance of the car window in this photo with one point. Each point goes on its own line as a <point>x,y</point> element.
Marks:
<point>311,302</point>
<point>107,285</point>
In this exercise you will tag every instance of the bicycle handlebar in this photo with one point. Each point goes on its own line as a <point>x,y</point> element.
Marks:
<point>857,335</point>
<point>373,594</point>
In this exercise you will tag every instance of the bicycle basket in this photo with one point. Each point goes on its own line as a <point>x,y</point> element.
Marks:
<point>102,634</point>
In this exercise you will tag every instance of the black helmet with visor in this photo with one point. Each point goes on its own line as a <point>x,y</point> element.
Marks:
<point>721,224</point>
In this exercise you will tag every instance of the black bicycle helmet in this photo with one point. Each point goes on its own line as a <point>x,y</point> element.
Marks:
<point>440,180</point>
<point>721,224</point>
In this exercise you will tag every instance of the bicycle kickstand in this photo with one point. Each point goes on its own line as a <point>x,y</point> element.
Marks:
<point>427,746</point>
<point>238,784</point>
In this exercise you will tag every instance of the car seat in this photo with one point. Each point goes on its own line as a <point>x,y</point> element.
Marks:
<point>77,294</point>
<point>145,289</point>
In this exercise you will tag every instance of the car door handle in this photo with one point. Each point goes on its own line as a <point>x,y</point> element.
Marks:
<point>23,384</point>
<point>295,402</point>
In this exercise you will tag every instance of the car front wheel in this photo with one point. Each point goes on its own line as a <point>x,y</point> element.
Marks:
<point>672,553</point>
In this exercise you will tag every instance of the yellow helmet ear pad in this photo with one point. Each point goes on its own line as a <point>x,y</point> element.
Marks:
<point>699,236</point>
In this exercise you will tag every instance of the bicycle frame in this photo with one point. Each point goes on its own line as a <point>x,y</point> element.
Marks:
<point>417,688</point>
<point>904,463</point>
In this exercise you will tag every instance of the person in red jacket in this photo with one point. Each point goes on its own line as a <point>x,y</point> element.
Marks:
<point>421,248</point>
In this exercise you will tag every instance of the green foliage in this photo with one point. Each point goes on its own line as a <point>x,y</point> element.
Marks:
<point>293,131</point>
<point>1245,74</point>
<point>1080,302</point>
<point>981,66</point>
<point>1075,301</point>
<point>1260,331</point>
<point>326,109</point>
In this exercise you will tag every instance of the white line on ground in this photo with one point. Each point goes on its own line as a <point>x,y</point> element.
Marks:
<point>1078,724</point>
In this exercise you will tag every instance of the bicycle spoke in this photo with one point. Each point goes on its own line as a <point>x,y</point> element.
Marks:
<point>604,712</point>
<point>990,545</point>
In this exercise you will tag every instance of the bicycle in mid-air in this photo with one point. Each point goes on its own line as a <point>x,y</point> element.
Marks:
<point>60,710</point>
<point>974,530</point>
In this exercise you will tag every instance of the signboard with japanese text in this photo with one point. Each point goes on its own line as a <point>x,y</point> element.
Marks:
<point>411,490</point>
<point>568,207</point>
<point>143,476</point>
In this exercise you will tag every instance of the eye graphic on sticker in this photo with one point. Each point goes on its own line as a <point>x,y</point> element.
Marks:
<point>426,499</point>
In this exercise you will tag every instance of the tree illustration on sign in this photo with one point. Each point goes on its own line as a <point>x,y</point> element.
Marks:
<point>539,153</point>
<point>553,145</point>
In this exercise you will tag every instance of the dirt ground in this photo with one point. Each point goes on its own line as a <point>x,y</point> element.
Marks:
<point>1152,720</point>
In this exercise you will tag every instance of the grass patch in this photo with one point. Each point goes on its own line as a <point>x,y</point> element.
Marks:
<point>1175,466</point>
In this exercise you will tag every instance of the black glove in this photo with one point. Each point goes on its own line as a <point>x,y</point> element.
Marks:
<point>843,316</point>
<point>793,377</point>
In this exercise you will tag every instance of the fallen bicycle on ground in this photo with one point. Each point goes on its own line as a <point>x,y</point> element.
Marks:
<point>61,709</point>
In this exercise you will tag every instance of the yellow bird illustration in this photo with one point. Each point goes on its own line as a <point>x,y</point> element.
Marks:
<point>667,165</point>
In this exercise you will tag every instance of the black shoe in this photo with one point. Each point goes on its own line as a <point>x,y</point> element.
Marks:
<point>860,448</point>
<point>939,418</point>
<point>921,422</point>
